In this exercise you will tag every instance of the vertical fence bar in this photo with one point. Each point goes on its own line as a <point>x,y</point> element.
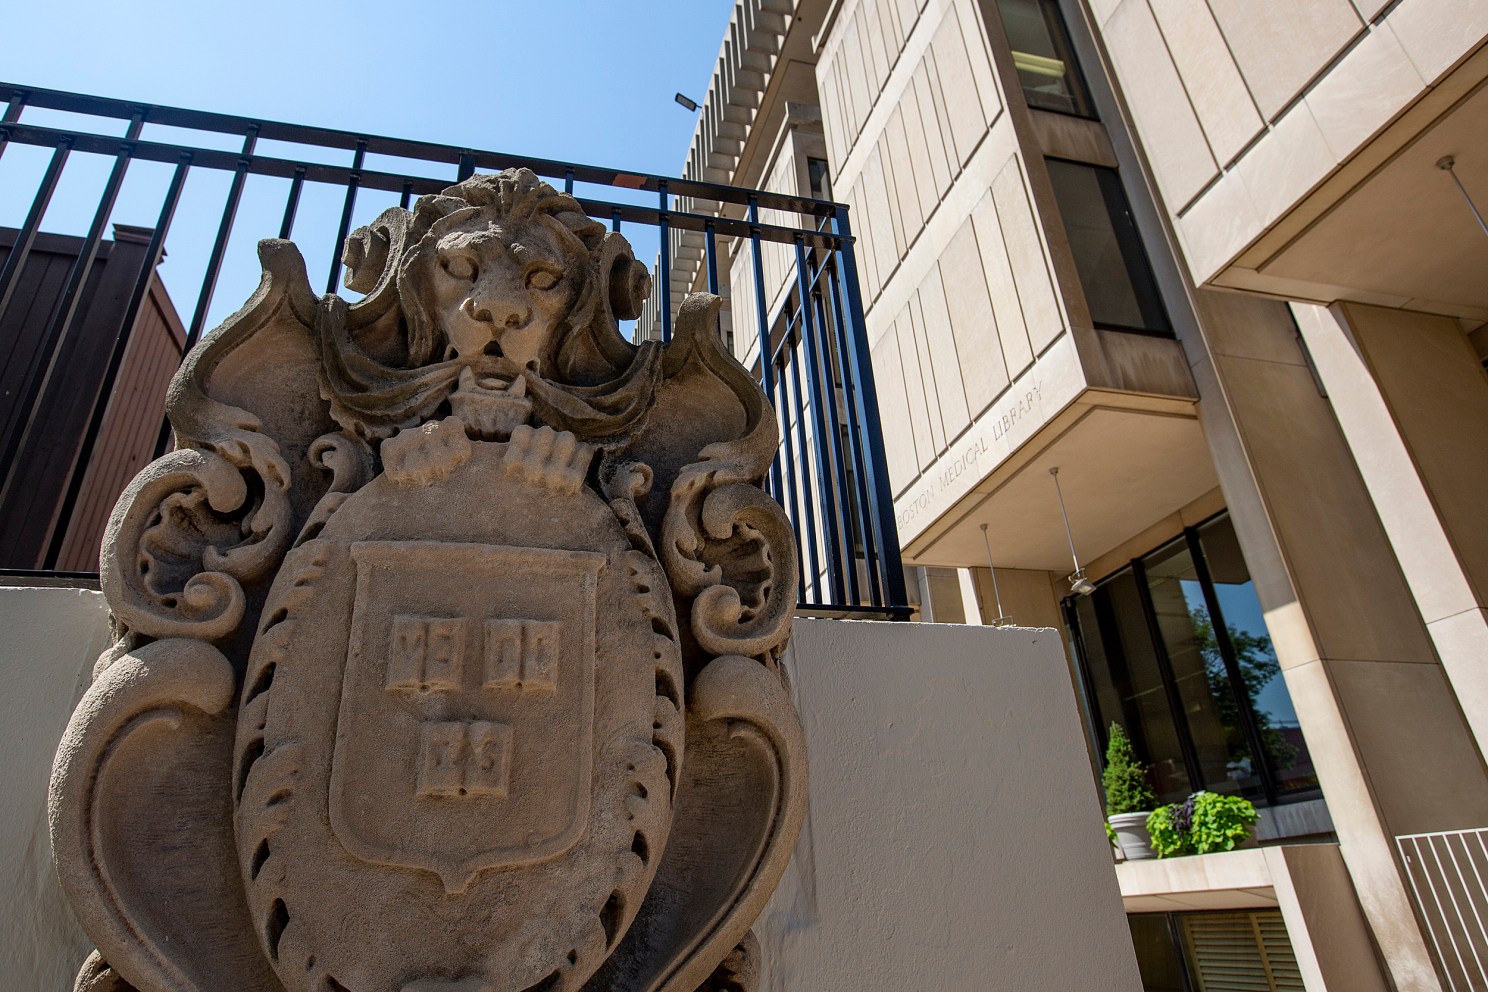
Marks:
<point>353,183</point>
<point>568,180</point>
<point>820,450</point>
<point>28,403</point>
<point>292,205</point>
<point>466,167</point>
<point>77,472</point>
<point>12,115</point>
<point>710,249</point>
<point>1440,908</point>
<point>615,220</point>
<point>664,294</point>
<point>783,410</point>
<point>799,409</point>
<point>860,496</point>
<point>833,440</point>
<point>407,196</point>
<point>761,311</point>
<point>885,529</point>
<point>1466,891</point>
<point>219,246</point>
<point>10,272</point>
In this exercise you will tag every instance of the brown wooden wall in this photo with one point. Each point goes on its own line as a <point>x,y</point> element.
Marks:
<point>131,426</point>
<point>36,483</point>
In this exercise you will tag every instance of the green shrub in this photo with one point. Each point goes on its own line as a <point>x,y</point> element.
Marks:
<point>1125,778</point>
<point>1204,823</point>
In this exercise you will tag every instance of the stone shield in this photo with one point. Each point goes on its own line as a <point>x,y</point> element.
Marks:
<point>481,724</point>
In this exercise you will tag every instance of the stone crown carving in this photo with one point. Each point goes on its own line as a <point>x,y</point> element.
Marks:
<point>447,637</point>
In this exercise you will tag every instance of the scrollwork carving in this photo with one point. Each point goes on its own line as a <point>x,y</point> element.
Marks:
<point>724,542</point>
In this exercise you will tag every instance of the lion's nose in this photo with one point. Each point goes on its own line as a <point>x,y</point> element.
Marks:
<point>508,313</point>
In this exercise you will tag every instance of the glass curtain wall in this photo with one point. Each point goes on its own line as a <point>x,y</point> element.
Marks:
<point>1174,648</point>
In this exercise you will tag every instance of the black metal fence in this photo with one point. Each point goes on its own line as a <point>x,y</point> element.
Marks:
<point>830,472</point>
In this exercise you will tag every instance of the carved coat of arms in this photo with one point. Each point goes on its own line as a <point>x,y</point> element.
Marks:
<point>447,639</point>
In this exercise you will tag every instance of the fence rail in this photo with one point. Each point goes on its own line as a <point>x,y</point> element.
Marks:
<point>1447,872</point>
<point>830,472</point>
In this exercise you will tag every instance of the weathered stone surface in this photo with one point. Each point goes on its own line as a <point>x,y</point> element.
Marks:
<point>447,638</point>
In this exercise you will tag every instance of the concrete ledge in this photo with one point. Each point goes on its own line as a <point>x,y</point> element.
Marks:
<point>1308,883</point>
<point>1233,880</point>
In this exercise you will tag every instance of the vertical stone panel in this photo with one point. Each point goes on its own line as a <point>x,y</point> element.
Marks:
<point>976,332</point>
<point>907,198</point>
<point>860,216</point>
<point>909,15</point>
<point>936,150</point>
<point>946,359</point>
<point>958,86</point>
<point>921,325</point>
<point>1181,160</point>
<point>887,243</point>
<point>1215,88</point>
<point>1017,350</point>
<point>1041,313</point>
<point>914,389</point>
<point>920,156</point>
<point>894,413</point>
<point>940,99</point>
<point>878,59</point>
<point>857,74</point>
<point>1280,45</point>
<point>878,171</point>
<point>974,40</point>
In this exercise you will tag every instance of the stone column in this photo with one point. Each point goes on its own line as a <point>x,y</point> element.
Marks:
<point>1412,402</point>
<point>1392,750</point>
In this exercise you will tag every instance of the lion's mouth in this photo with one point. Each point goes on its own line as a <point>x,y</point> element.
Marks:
<point>491,407</point>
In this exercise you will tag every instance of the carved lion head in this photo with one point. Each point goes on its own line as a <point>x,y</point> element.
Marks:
<point>506,266</point>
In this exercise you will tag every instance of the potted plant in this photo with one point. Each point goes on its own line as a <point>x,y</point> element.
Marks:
<point>1204,823</point>
<point>1129,796</point>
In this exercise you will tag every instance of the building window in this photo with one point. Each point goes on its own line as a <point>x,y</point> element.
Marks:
<point>1043,57</point>
<point>1108,253</point>
<point>819,178</point>
<point>1174,648</point>
<point>1249,949</point>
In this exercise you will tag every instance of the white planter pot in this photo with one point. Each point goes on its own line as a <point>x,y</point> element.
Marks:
<point>1131,834</point>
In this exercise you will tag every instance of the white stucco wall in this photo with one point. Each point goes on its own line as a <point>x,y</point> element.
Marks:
<point>52,637</point>
<point>953,837</point>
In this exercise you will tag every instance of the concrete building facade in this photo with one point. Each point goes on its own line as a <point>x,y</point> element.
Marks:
<point>1220,264</point>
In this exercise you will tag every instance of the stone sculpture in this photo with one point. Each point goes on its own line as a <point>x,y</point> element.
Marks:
<point>447,637</point>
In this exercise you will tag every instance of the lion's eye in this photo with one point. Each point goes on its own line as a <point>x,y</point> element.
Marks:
<point>459,266</point>
<point>543,279</point>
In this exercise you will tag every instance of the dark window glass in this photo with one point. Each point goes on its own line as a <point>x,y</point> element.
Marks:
<point>1041,53</point>
<point>1158,956</point>
<point>1209,701</point>
<point>1113,268</point>
<point>1250,643</point>
<point>819,178</point>
<point>1174,649</point>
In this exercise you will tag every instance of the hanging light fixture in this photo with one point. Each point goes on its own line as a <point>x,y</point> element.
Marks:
<point>1446,163</point>
<point>1079,584</point>
<point>1002,618</point>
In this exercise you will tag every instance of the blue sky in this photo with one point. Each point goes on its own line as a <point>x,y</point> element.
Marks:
<point>577,80</point>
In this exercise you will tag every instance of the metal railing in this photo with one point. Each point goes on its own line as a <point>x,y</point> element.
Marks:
<point>1447,872</point>
<point>830,473</point>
